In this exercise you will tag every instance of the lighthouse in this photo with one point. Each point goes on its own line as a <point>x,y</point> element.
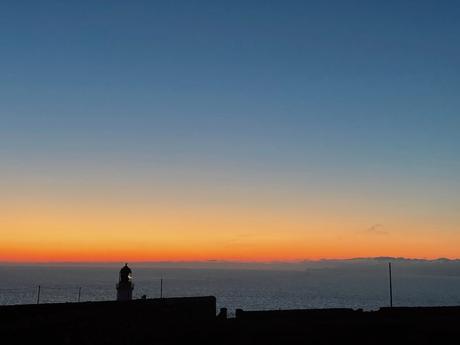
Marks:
<point>125,285</point>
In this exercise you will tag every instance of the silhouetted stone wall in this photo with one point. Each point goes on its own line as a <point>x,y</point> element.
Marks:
<point>194,320</point>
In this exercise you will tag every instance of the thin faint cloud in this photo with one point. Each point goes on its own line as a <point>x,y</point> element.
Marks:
<point>376,229</point>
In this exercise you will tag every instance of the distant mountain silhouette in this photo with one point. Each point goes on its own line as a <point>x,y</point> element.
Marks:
<point>391,258</point>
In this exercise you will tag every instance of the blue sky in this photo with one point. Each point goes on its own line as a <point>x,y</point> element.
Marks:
<point>358,81</point>
<point>256,68</point>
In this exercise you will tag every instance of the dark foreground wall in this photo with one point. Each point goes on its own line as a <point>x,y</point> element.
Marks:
<point>193,320</point>
<point>440,325</point>
<point>146,321</point>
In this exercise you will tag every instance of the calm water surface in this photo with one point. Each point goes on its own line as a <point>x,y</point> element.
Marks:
<point>247,289</point>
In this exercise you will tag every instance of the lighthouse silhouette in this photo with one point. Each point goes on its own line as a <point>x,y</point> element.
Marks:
<point>125,285</point>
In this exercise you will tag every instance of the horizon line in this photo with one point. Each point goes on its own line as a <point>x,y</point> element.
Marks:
<point>223,261</point>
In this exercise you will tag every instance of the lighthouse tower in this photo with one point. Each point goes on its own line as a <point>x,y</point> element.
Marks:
<point>125,285</point>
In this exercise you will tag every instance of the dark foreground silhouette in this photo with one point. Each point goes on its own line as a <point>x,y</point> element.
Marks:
<point>194,320</point>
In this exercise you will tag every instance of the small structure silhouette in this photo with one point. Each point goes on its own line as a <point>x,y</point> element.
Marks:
<point>125,285</point>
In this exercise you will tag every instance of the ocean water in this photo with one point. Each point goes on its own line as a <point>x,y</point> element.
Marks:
<point>359,286</point>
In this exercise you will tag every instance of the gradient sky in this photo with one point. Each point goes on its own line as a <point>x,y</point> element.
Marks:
<point>235,130</point>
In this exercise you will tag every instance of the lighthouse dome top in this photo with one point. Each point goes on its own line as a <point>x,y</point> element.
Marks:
<point>125,268</point>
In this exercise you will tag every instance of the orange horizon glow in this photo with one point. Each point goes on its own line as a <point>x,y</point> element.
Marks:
<point>81,231</point>
<point>281,249</point>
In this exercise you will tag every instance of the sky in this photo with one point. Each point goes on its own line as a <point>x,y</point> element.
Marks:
<point>229,130</point>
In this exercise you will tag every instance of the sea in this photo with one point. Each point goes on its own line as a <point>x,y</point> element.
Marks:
<point>358,286</point>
